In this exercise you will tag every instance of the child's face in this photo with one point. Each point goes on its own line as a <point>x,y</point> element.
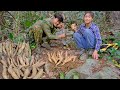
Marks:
<point>88,18</point>
<point>74,27</point>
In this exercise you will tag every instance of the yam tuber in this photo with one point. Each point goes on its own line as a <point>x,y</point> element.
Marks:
<point>21,73</point>
<point>49,57</point>
<point>38,64</point>
<point>74,58</point>
<point>34,72</point>
<point>53,57</point>
<point>26,73</point>
<point>4,73</point>
<point>7,48</point>
<point>32,60</point>
<point>0,47</point>
<point>12,73</point>
<point>10,49</point>
<point>39,74</point>
<point>3,48</point>
<point>8,60</point>
<point>14,61</point>
<point>26,61</point>
<point>68,59</point>
<point>21,60</point>
<point>21,48</point>
<point>4,63</point>
<point>16,51</point>
<point>18,63</point>
<point>16,70</point>
<point>60,58</point>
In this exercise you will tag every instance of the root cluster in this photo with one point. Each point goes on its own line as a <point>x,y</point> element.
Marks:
<point>60,58</point>
<point>18,63</point>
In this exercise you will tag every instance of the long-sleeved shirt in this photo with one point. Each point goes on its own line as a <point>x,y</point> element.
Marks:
<point>95,30</point>
<point>49,29</point>
<point>45,26</point>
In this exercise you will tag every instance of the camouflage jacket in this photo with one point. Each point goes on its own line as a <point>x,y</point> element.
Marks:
<point>46,27</point>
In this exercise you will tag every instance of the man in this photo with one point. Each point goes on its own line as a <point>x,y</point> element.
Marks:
<point>88,35</point>
<point>44,30</point>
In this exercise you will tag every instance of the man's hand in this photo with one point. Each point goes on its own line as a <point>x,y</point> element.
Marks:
<point>61,36</point>
<point>95,54</point>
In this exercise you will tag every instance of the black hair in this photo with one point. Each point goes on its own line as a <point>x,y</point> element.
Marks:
<point>90,12</point>
<point>73,22</point>
<point>59,16</point>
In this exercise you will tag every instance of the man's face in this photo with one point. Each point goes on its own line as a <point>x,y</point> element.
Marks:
<point>74,26</point>
<point>61,25</point>
<point>56,22</point>
<point>88,18</point>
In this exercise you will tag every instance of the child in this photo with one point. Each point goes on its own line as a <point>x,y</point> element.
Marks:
<point>67,39</point>
<point>74,26</point>
<point>88,35</point>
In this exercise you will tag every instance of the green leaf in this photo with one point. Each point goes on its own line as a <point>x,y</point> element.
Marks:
<point>113,50</point>
<point>28,23</point>
<point>109,58</point>
<point>118,53</point>
<point>75,76</point>
<point>11,36</point>
<point>18,38</point>
<point>41,18</point>
<point>62,75</point>
<point>32,45</point>
<point>118,43</point>
<point>117,57</point>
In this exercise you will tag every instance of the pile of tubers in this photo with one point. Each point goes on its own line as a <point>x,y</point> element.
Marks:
<point>18,63</point>
<point>60,58</point>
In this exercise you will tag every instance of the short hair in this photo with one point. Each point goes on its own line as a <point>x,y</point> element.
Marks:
<point>90,12</point>
<point>59,16</point>
<point>73,22</point>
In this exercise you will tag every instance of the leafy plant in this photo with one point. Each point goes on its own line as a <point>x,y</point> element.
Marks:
<point>33,46</point>
<point>76,76</point>
<point>11,36</point>
<point>16,38</point>
<point>112,53</point>
<point>62,75</point>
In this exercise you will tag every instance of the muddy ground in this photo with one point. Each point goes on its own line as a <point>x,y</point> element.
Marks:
<point>54,71</point>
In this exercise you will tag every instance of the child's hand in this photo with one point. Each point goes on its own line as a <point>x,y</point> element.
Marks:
<point>95,54</point>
